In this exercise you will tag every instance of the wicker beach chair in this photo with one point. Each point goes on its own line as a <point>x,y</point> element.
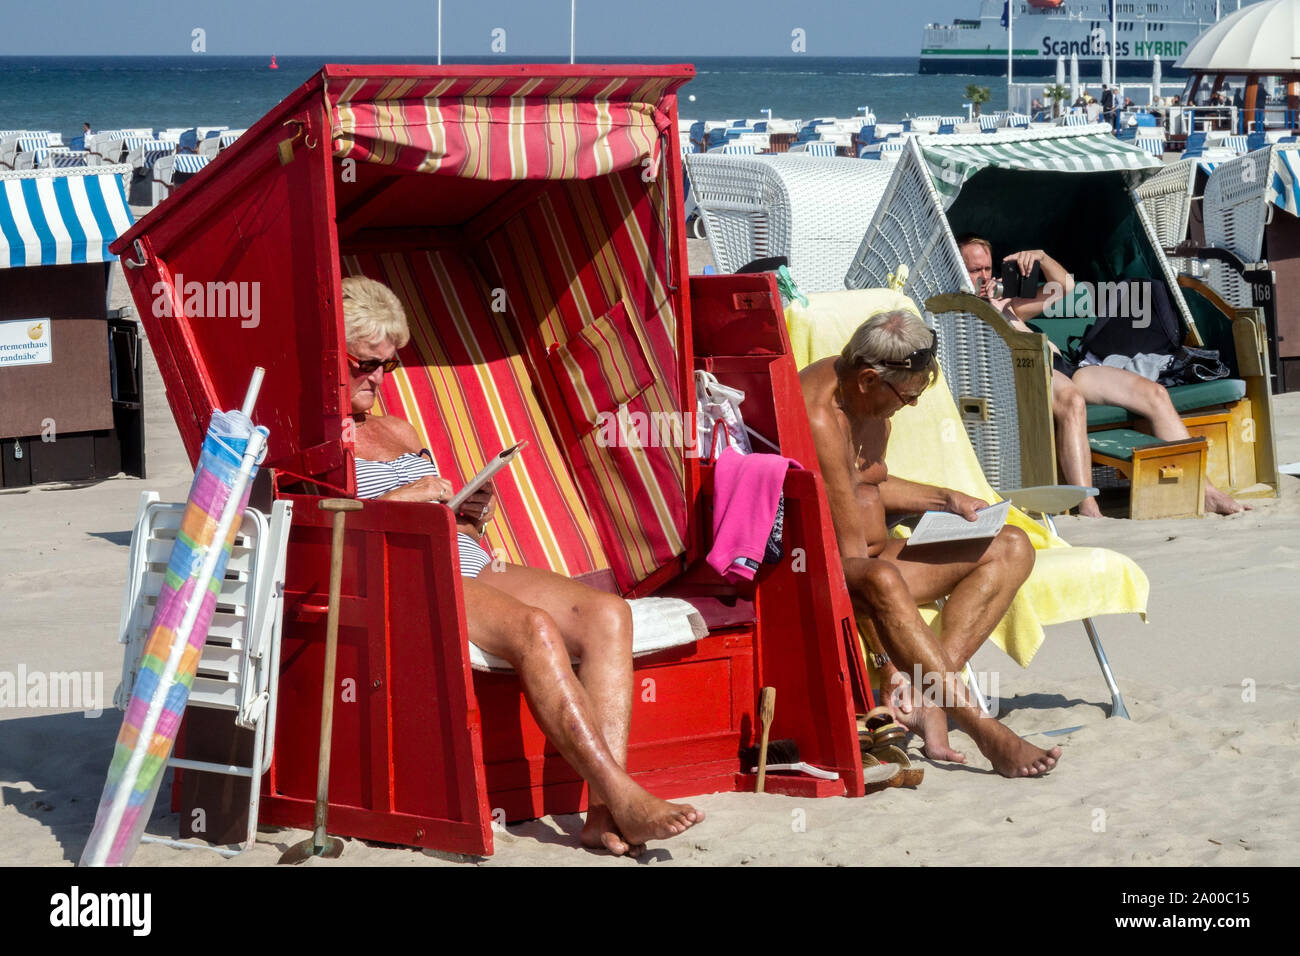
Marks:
<point>173,170</point>
<point>1153,145</point>
<point>810,210</point>
<point>1252,232</point>
<point>239,663</point>
<point>1031,189</point>
<point>1240,145</point>
<point>1167,199</point>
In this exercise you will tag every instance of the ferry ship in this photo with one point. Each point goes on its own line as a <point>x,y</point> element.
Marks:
<point>1042,30</point>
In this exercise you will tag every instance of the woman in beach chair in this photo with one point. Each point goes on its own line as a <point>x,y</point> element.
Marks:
<point>1075,387</point>
<point>533,618</point>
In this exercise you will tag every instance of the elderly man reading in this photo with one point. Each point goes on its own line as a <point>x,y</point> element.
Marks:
<point>887,364</point>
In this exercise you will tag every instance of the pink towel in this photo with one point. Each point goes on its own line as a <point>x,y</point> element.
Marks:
<point>746,489</point>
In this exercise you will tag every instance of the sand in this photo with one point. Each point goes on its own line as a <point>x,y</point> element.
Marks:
<point>1204,773</point>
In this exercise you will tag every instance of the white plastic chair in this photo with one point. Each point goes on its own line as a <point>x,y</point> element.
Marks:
<point>239,668</point>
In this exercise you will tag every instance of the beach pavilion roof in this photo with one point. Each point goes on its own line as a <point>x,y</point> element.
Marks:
<point>1262,38</point>
<point>952,160</point>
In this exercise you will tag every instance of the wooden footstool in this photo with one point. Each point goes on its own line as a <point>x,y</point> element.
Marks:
<point>1166,479</point>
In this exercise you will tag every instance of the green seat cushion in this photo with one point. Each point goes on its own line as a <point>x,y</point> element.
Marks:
<point>1060,331</point>
<point>1120,442</point>
<point>1185,398</point>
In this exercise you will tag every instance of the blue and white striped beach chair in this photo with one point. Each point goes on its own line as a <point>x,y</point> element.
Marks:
<point>814,148</point>
<point>1154,146</point>
<point>1238,144</point>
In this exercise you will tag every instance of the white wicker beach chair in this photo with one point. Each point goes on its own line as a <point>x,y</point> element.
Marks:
<point>1167,199</point>
<point>810,209</point>
<point>143,151</point>
<point>1236,208</point>
<point>63,159</point>
<point>239,665</point>
<point>105,147</point>
<point>173,170</point>
<point>911,228</point>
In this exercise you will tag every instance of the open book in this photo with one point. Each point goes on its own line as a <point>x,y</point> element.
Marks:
<point>937,526</point>
<point>495,464</point>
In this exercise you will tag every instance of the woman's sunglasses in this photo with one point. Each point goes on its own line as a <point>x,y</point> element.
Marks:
<point>367,366</point>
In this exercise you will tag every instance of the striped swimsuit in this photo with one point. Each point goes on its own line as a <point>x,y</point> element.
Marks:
<point>375,478</point>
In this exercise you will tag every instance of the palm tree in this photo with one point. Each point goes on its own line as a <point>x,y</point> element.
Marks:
<point>978,96</point>
<point>1056,93</point>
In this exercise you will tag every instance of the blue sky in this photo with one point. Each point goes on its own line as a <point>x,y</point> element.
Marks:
<point>532,27</point>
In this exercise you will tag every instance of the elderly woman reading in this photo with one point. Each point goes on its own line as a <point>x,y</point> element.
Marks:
<point>533,618</point>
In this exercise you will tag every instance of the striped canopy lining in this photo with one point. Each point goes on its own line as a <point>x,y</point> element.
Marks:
<point>502,127</point>
<point>950,165</point>
<point>472,379</point>
<point>50,220</point>
<point>464,386</point>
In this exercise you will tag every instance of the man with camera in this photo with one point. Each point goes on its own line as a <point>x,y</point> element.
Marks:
<point>1021,298</point>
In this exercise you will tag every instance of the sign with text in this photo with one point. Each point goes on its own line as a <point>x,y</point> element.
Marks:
<point>26,342</point>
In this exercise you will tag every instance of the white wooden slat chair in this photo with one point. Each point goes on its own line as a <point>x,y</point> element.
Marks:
<point>240,663</point>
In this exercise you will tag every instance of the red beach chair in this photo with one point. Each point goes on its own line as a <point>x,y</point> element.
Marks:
<point>528,217</point>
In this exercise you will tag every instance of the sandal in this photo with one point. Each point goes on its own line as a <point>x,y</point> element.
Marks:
<point>882,729</point>
<point>909,774</point>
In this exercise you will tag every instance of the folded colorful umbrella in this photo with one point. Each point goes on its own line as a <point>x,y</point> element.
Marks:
<point>217,499</point>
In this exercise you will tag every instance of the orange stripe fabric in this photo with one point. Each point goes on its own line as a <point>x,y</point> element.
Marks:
<point>465,387</point>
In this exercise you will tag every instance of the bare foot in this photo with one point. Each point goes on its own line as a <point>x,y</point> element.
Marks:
<point>932,725</point>
<point>643,818</point>
<point>600,832</point>
<point>1216,502</point>
<point>1088,509</point>
<point>1014,757</point>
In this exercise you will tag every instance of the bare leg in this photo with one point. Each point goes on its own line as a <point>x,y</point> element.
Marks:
<point>879,588</point>
<point>1101,385</point>
<point>597,629</point>
<point>532,641</point>
<point>1070,412</point>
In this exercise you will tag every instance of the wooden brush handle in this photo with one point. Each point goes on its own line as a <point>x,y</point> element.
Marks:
<point>766,709</point>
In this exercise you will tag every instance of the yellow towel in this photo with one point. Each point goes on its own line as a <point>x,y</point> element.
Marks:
<point>1067,584</point>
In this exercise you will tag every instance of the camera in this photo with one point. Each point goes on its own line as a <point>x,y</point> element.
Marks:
<point>1017,286</point>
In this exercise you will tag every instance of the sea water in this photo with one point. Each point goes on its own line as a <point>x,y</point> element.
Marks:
<point>60,93</point>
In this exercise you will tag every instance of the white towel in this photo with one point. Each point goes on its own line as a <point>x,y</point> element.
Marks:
<point>657,623</point>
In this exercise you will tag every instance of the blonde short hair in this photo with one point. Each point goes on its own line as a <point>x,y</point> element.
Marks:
<point>372,313</point>
<point>888,337</point>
